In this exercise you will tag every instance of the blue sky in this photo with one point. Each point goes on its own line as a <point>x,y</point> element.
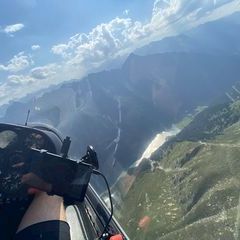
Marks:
<point>46,42</point>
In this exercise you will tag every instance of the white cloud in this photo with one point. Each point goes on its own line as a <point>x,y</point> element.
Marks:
<point>104,43</point>
<point>13,28</point>
<point>16,87</point>
<point>35,47</point>
<point>60,49</point>
<point>20,80</point>
<point>18,63</point>
<point>44,72</point>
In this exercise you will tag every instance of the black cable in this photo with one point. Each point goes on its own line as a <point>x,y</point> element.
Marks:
<point>111,204</point>
<point>28,114</point>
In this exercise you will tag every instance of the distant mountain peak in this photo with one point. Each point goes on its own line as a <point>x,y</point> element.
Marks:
<point>131,59</point>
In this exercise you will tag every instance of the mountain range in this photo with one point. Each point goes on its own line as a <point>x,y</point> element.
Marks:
<point>220,37</point>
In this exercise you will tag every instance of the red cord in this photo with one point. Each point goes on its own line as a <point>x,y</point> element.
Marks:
<point>117,237</point>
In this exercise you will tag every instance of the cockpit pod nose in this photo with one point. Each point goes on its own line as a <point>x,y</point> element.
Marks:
<point>17,143</point>
<point>51,132</point>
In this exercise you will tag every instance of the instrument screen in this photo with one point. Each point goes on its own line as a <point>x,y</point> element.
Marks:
<point>7,138</point>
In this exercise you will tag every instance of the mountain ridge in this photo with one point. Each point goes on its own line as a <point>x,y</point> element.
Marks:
<point>209,37</point>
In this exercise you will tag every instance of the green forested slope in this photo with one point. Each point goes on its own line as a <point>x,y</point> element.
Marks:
<point>193,191</point>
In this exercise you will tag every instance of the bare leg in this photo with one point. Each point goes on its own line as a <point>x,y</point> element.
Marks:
<point>43,208</point>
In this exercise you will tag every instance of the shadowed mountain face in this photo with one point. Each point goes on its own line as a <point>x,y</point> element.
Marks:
<point>119,111</point>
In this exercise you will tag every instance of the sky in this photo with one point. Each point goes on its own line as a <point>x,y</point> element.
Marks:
<point>45,42</point>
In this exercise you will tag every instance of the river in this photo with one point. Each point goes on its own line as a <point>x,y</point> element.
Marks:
<point>157,142</point>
